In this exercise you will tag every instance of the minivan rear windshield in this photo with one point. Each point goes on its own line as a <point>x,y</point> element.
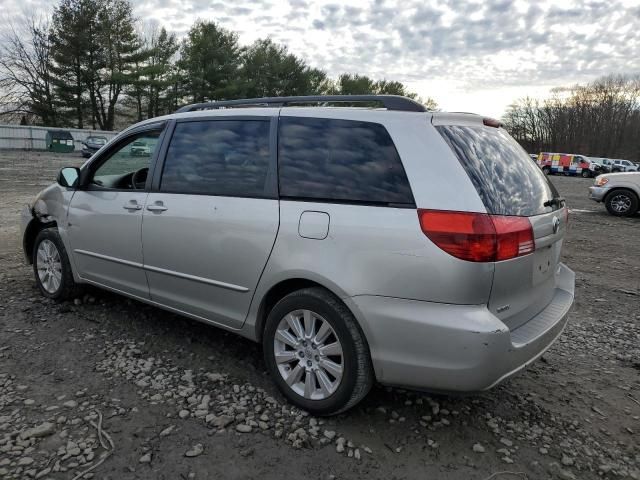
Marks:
<point>506,178</point>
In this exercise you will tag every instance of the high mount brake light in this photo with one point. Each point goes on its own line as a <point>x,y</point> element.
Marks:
<point>491,122</point>
<point>478,237</point>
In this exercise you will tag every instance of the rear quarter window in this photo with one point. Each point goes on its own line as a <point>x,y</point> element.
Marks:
<point>340,161</point>
<point>508,181</point>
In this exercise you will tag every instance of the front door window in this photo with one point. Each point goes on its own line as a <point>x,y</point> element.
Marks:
<point>126,167</point>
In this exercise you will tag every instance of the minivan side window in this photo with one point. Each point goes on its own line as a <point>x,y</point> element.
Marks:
<point>340,161</point>
<point>218,157</point>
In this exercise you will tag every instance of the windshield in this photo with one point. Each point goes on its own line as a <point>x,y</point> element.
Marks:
<point>506,178</point>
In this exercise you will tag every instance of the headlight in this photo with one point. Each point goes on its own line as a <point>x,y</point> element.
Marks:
<point>602,181</point>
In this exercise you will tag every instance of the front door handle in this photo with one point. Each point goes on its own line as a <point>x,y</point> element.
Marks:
<point>156,207</point>
<point>132,205</point>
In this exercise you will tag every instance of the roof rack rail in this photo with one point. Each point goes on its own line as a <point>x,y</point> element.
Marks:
<point>390,102</point>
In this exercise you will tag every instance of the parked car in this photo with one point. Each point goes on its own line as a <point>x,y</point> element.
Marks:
<point>140,148</point>
<point>534,156</point>
<point>620,165</point>
<point>594,168</point>
<point>568,164</point>
<point>607,165</point>
<point>620,193</point>
<point>92,144</point>
<point>330,235</point>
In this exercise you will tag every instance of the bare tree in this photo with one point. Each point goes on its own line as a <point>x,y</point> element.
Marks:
<point>601,119</point>
<point>25,71</point>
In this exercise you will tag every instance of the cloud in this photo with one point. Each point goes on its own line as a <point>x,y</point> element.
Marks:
<point>472,43</point>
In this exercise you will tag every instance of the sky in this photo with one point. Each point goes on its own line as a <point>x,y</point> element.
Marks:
<point>474,56</point>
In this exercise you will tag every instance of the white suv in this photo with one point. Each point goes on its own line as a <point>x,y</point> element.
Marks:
<point>623,166</point>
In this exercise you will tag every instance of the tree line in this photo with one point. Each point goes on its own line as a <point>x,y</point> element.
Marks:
<point>92,65</point>
<point>599,119</point>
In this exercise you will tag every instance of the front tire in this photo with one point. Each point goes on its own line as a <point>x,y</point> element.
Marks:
<point>51,267</point>
<point>316,352</point>
<point>621,203</point>
<point>586,174</point>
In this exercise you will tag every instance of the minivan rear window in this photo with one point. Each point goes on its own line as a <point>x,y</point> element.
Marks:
<point>508,181</point>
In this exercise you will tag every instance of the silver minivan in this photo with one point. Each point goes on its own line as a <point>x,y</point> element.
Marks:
<point>379,243</point>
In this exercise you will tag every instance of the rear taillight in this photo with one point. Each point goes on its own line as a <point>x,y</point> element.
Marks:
<point>478,237</point>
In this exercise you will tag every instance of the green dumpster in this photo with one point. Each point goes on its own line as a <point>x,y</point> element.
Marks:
<point>60,141</point>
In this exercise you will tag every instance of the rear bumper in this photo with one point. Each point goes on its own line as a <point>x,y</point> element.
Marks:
<point>597,193</point>
<point>456,348</point>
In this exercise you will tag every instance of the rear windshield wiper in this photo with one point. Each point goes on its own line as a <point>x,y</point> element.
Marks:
<point>554,201</point>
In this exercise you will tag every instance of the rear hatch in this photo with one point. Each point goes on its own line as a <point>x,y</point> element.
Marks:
<point>511,184</point>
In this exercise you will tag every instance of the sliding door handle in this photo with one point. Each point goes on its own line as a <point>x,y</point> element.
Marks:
<point>156,208</point>
<point>132,205</point>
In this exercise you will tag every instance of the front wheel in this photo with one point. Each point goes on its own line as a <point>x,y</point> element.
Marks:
<point>316,352</point>
<point>546,170</point>
<point>52,268</point>
<point>621,203</point>
<point>586,173</point>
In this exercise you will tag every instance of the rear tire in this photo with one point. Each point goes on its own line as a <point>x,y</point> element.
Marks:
<point>51,267</point>
<point>546,170</point>
<point>621,203</point>
<point>299,372</point>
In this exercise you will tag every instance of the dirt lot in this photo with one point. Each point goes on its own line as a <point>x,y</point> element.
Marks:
<point>140,393</point>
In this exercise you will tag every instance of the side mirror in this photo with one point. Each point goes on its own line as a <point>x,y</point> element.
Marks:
<point>68,177</point>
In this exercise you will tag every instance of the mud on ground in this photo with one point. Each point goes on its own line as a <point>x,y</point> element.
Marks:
<point>139,393</point>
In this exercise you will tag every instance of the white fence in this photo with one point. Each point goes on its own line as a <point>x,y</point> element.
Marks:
<point>33,138</point>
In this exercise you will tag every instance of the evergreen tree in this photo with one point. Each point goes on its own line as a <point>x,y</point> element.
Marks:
<point>122,49</point>
<point>72,29</point>
<point>269,70</point>
<point>209,63</point>
<point>354,84</point>
<point>160,73</point>
<point>152,79</point>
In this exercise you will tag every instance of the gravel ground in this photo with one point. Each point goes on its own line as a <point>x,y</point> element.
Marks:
<point>121,390</point>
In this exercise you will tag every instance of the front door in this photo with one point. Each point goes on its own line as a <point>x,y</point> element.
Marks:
<point>105,215</point>
<point>212,218</point>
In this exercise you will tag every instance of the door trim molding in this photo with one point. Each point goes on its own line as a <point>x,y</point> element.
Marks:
<point>186,276</point>
<point>108,258</point>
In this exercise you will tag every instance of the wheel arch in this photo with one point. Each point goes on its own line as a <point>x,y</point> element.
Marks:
<point>623,188</point>
<point>30,234</point>
<point>285,286</point>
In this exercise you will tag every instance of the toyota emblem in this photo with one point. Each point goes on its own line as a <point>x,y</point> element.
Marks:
<point>556,224</point>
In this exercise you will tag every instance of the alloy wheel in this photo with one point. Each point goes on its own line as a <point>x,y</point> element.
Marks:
<point>621,203</point>
<point>308,354</point>
<point>49,266</point>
